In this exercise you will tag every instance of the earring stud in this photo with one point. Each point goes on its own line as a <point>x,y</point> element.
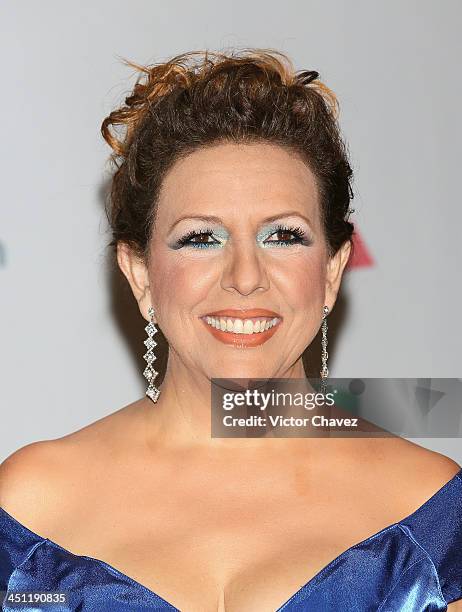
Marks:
<point>150,373</point>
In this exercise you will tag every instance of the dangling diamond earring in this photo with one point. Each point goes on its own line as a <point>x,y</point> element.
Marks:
<point>149,373</point>
<point>324,354</point>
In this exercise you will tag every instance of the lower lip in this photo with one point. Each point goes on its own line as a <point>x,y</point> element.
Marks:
<point>242,340</point>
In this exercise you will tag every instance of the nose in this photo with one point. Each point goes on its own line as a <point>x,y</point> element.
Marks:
<point>244,269</point>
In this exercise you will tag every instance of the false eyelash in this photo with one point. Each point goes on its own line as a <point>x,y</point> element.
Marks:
<point>187,237</point>
<point>296,230</point>
<point>300,236</point>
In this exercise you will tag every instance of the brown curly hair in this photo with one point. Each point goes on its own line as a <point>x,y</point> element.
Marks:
<point>202,98</point>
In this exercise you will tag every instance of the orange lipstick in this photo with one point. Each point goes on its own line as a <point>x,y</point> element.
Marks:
<point>242,328</point>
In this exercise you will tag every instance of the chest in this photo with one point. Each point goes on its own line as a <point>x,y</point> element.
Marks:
<point>214,553</point>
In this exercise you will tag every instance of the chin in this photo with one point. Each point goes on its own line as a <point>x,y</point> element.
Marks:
<point>243,372</point>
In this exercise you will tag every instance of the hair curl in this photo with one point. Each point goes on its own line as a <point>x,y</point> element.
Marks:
<point>202,98</point>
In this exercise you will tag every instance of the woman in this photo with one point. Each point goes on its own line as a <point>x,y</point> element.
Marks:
<point>229,210</point>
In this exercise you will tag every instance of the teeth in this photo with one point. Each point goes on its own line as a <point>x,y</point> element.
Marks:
<point>238,326</point>
<point>241,326</point>
<point>248,326</point>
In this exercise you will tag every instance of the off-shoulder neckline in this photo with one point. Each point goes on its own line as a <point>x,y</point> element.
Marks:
<point>307,585</point>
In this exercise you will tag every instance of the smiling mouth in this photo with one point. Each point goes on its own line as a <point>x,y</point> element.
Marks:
<point>254,329</point>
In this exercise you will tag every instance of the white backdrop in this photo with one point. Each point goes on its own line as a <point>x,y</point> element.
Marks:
<point>71,337</point>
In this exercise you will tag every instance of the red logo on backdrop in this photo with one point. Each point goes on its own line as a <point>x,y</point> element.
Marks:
<point>360,257</point>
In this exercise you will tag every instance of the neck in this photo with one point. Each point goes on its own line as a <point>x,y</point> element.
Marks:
<point>182,415</point>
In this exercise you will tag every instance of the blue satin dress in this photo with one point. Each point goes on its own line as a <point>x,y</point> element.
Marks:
<point>413,565</point>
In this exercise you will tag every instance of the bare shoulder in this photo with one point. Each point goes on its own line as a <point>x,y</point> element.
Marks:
<point>415,472</point>
<point>29,480</point>
<point>428,466</point>
<point>43,480</point>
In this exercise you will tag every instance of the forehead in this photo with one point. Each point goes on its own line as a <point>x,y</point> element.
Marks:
<point>238,179</point>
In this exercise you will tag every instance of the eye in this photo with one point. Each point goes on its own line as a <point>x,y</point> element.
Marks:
<point>283,236</point>
<point>199,240</point>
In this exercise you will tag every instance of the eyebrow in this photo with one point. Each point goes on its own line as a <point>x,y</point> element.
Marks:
<point>213,219</point>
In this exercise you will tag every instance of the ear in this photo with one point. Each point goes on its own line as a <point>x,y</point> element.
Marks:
<point>335,267</point>
<point>136,272</point>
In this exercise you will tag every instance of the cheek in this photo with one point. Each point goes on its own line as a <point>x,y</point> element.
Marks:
<point>179,281</point>
<point>302,280</point>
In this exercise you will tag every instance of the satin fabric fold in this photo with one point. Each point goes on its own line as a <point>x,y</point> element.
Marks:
<point>414,565</point>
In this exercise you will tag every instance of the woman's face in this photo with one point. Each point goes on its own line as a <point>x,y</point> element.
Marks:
<point>238,229</point>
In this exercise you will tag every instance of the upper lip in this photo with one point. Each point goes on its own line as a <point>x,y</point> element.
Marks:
<point>244,314</point>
